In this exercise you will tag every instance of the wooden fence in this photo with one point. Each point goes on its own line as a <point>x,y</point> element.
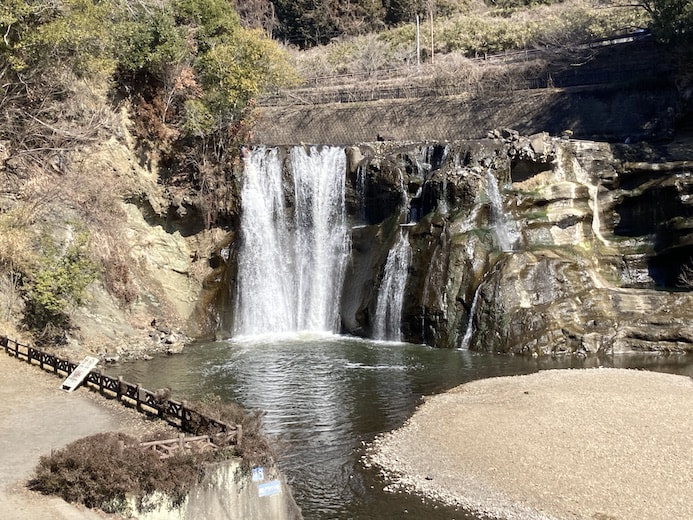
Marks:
<point>169,447</point>
<point>176,413</point>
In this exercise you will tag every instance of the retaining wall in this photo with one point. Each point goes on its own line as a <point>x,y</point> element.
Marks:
<point>622,92</point>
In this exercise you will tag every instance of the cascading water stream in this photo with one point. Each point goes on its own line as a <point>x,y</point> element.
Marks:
<point>506,234</point>
<point>388,314</point>
<point>470,323</point>
<point>291,264</point>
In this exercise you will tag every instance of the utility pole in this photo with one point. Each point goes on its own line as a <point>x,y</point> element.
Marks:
<point>418,42</point>
<point>430,11</point>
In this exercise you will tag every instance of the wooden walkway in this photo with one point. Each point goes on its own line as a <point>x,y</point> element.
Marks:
<point>176,413</point>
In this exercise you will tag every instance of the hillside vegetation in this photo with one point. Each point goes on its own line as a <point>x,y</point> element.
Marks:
<point>474,29</point>
<point>121,118</point>
<point>85,86</point>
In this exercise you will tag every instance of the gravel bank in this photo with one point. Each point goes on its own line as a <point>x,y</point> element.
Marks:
<point>597,444</point>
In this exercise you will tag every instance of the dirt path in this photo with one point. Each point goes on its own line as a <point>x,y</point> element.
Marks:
<point>600,444</point>
<point>37,417</point>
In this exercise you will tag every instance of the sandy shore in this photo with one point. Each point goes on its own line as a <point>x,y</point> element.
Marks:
<point>37,417</point>
<point>599,444</point>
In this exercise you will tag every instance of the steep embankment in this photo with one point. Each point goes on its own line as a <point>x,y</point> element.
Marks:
<point>632,90</point>
<point>105,214</point>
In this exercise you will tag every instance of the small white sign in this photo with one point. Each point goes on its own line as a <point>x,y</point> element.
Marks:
<point>79,373</point>
<point>258,474</point>
<point>267,489</point>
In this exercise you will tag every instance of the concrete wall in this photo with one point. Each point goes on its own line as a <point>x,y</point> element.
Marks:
<point>227,493</point>
<point>607,93</point>
<point>605,113</point>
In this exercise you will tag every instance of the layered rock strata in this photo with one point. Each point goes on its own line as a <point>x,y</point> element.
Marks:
<point>587,249</point>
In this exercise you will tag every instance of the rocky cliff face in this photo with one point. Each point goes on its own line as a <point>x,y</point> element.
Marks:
<point>518,244</point>
<point>527,244</point>
<point>150,241</point>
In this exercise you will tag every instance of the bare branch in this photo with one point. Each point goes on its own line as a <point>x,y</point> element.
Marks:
<point>685,278</point>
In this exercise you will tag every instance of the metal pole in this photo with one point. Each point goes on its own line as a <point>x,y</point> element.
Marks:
<point>418,42</point>
<point>432,46</point>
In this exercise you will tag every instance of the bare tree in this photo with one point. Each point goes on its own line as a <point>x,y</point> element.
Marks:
<point>685,278</point>
<point>257,14</point>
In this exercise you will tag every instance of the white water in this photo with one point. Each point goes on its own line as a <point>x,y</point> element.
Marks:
<point>291,263</point>
<point>388,314</point>
<point>470,324</point>
<point>506,234</point>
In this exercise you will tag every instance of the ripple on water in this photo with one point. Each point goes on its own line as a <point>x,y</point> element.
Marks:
<point>326,395</point>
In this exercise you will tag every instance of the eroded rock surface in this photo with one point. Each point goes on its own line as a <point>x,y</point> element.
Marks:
<point>528,244</point>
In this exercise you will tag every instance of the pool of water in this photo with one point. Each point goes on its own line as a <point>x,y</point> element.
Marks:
<point>326,397</point>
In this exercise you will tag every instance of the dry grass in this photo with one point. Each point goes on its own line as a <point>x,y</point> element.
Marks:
<point>119,274</point>
<point>477,32</point>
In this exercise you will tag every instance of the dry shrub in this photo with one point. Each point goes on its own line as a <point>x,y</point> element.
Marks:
<point>150,122</point>
<point>10,295</point>
<point>55,114</point>
<point>17,248</point>
<point>116,263</point>
<point>118,280</point>
<point>102,470</point>
<point>118,277</point>
<point>255,449</point>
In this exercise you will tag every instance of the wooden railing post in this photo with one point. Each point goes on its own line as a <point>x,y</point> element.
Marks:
<point>183,420</point>
<point>138,401</point>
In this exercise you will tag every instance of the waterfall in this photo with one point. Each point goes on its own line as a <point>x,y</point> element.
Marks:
<point>470,323</point>
<point>506,234</point>
<point>291,263</point>
<point>388,313</point>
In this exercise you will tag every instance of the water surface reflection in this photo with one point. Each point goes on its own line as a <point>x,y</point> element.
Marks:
<point>325,396</point>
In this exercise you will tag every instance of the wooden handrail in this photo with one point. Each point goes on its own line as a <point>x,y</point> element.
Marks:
<point>176,413</point>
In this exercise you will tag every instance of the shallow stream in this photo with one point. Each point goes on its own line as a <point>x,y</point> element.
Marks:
<point>326,397</point>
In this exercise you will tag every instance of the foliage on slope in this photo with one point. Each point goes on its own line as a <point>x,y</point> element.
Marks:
<point>185,71</point>
<point>307,23</point>
<point>476,30</point>
<point>197,50</point>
